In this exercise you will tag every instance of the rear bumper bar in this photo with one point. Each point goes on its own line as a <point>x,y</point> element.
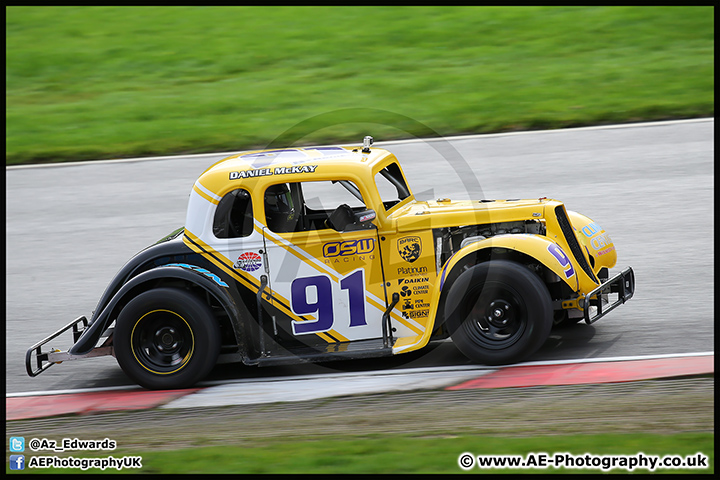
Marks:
<point>37,360</point>
<point>623,284</point>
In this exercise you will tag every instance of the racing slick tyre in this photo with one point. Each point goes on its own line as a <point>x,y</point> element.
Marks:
<point>563,319</point>
<point>498,312</point>
<point>166,338</point>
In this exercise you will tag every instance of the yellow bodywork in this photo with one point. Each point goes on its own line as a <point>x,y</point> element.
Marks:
<point>401,254</point>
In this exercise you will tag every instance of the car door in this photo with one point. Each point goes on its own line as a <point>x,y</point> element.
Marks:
<point>327,285</point>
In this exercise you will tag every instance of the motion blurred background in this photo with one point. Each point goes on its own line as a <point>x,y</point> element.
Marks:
<point>92,83</point>
<point>113,82</point>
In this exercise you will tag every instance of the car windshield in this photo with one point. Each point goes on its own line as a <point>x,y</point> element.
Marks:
<point>391,186</point>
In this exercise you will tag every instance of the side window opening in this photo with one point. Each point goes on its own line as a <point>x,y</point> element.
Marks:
<point>391,186</point>
<point>281,213</point>
<point>234,215</point>
<point>304,206</point>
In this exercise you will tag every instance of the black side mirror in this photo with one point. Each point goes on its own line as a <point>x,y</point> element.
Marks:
<point>364,218</point>
<point>343,219</point>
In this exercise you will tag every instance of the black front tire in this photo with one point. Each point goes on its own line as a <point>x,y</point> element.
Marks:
<point>166,338</point>
<point>562,319</point>
<point>498,312</point>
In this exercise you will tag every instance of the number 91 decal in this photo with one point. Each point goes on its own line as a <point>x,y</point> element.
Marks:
<point>562,259</point>
<point>314,295</point>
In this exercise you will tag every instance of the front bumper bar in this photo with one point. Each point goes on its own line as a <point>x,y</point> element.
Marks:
<point>623,284</point>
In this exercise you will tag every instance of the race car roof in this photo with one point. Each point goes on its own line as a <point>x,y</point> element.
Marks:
<point>261,164</point>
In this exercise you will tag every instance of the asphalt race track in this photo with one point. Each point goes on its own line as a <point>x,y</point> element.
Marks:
<point>69,229</point>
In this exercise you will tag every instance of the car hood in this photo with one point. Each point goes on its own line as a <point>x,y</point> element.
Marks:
<point>448,213</point>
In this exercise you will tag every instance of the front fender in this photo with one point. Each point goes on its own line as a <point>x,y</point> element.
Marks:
<point>181,271</point>
<point>539,247</point>
<point>595,240</point>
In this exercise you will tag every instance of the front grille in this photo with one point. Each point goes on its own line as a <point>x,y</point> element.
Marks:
<point>573,242</point>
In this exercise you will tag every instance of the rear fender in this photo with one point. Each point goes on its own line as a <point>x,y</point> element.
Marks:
<point>193,274</point>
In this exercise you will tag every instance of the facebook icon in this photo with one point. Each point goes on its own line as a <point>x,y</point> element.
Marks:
<point>17,462</point>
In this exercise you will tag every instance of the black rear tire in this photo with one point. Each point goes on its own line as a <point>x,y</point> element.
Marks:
<point>498,312</point>
<point>166,338</point>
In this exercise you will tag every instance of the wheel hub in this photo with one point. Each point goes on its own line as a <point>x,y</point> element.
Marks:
<point>167,339</point>
<point>499,313</point>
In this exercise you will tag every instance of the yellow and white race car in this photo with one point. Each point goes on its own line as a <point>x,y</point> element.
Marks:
<point>317,254</point>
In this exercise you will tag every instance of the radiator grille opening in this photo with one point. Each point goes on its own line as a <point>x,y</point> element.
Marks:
<point>573,241</point>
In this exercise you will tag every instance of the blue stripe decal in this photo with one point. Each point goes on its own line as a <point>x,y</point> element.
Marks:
<point>205,272</point>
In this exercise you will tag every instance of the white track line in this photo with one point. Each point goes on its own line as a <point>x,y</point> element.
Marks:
<point>404,371</point>
<point>389,142</point>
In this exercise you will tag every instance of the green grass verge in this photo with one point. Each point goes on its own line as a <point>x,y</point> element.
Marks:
<point>405,454</point>
<point>109,82</point>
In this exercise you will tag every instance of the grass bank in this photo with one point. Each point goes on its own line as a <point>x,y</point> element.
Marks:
<point>109,82</point>
<point>433,454</point>
<point>401,454</point>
